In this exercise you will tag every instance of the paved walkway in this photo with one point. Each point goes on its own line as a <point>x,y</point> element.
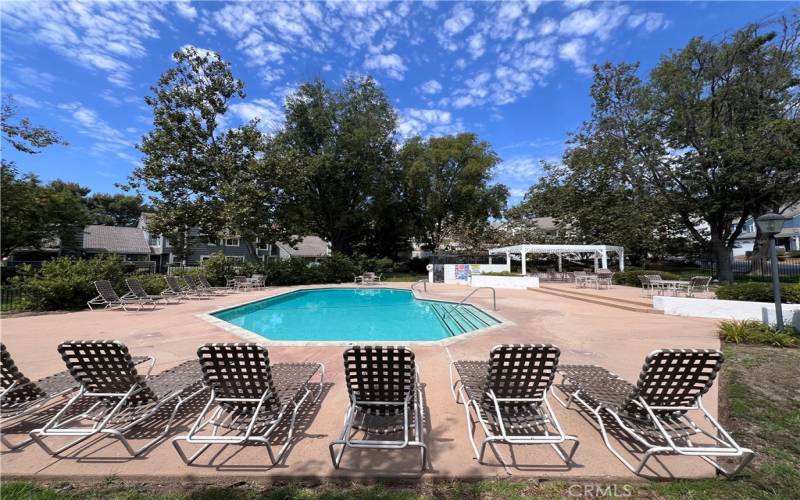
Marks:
<point>586,333</point>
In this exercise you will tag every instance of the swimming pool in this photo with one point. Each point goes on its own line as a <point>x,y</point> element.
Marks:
<point>357,315</point>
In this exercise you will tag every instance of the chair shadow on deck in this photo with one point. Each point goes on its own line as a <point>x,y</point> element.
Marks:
<point>223,457</point>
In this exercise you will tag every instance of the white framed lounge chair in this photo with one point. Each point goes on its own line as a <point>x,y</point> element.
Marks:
<point>123,399</point>
<point>508,397</point>
<point>208,286</point>
<point>193,286</point>
<point>109,299</point>
<point>654,412</point>
<point>249,395</point>
<point>175,289</point>
<point>137,291</point>
<point>385,398</point>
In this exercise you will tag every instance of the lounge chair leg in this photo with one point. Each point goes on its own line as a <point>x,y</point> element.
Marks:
<point>38,439</point>
<point>11,446</point>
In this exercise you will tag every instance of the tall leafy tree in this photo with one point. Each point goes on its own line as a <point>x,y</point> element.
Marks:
<point>344,142</point>
<point>117,209</point>
<point>21,134</point>
<point>448,186</point>
<point>708,142</point>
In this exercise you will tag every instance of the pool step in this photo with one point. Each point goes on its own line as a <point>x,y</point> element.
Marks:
<point>459,319</point>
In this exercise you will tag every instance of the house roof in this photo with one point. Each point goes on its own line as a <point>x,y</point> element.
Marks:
<point>115,239</point>
<point>309,246</point>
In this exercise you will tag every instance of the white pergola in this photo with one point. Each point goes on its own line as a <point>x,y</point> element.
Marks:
<point>600,253</point>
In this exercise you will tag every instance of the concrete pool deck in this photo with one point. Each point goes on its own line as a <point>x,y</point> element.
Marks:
<point>586,334</point>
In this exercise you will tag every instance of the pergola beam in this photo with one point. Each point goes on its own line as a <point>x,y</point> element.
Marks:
<point>599,252</point>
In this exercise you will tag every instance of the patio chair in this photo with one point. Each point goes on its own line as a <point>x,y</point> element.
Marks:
<point>137,291</point>
<point>698,284</point>
<point>208,286</point>
<point>123,398</point>
<point>249,395</point>
<point>109,299</point>
<point>508,396</point>
<point>385,398</point>
<point>653,413</point>
<point>581,279</point>
<point>193,286</point>
<point>368,279</point>
<point>604,279</point>
<point>242,283</point>
<point>175,289</point>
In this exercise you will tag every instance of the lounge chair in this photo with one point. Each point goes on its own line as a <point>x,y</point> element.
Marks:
<point>385,398</point>
<point>174,289</point>
<point>137,291</point>
<point>208,286</point>
<point>109,299</point>
<point>653,412</point>
<point>195,287</point>
<point>123,398</point>
<point>249,395</point>
<point>20,396</point>
<point>242,283</point>
<point>508,396</point>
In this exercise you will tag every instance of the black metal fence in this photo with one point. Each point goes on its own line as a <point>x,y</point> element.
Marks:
<point>10,298</point>
<point>759,270</point>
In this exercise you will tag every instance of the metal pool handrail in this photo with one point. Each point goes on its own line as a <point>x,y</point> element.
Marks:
<point>424,284</point>
<point>494,296</point>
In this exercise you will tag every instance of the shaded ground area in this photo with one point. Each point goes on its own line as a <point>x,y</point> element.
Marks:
<point>762,409</point>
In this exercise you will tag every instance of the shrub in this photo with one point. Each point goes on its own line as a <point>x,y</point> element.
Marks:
<point>631,278</point>
<point>66,283</point>
<point>758,292</point>
<point>338,268</point>
<point>217,269</point>
<point>756,332</point>
<point>794,254</point>
<point>153,284</point>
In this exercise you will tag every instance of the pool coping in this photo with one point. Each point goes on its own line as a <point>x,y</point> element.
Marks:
<point>258,339</point>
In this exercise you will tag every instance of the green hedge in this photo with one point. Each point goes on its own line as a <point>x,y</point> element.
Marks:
<point>631,278</point>
<point>66,283</point>
<point>758,292</point>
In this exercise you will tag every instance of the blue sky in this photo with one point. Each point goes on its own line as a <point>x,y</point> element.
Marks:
<point>516,73</point>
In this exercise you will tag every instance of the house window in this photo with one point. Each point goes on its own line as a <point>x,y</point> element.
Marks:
<point>234,258</point>
<point>153,240</point>
<point>204,258</point>
<point>229,242</point>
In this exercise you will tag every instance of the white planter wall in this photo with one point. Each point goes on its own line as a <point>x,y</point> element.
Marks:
<point>726,309</point>
<point>521,282</point>
<point>450,271</point>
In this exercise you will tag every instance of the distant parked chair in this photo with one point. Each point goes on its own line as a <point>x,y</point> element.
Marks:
<point>651,284</point>
<point>249,395</point>
<point>508,396</point>
<point>698,284</point>
<point>109,299</point>
<point>208,286</point>
<point>194,286</point>
<point>653,413</point>
<point>604,279</point>
<point>580,278</point>
<point>174,289</point>
<point>137,291</point>
<point>242,283</point>
<point>385,398</point>
<point>124,398</point>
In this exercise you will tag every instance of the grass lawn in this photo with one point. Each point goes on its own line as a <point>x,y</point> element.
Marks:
<point>762,410</point>
<point>404,277</point>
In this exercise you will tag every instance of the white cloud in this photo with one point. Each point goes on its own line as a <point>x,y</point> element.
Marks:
<point>266,111</point>
<point>509,11</point>
<point>431,87</point>
<point>102,36</point>
<point>427,122</point>
<point>649,21</point>
<point>574,51</point>
<point>392,64</point>
<point>26,101</point>
<point>476,45</point>
<point>522,168</point>
<point>459,20</point>
<point>106,139</point>
<point>548,26</point>
<point>186,10</point>
<point>574,4</point>
<point>600,22</point>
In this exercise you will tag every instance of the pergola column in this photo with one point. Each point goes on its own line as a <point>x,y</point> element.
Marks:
<point>559,263</point>
<point>604,256</point>
<point>508,261</point>
<point>524,258</point>
<point>595,262</point>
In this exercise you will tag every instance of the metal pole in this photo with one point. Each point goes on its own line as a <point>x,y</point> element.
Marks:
<point>776,282</point>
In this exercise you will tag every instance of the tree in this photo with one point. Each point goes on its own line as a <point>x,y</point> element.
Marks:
<point>344,142</point>
<point>447,185</point>
<point>22,135</point>
<point>117,209</point>
<point>712,139</point>
<point>184,152</point>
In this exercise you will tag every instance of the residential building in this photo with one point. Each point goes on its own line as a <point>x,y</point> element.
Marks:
<point>788,238</point>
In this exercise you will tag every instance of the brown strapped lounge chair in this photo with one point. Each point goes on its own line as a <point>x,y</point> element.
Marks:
<point>385,398</point>
<point>124,398</point>
<point>654,412</point>
<point>174,289</point>
<point>137,291</point>
<point>250,396</point>
<point>208,286</point>
<point>508,395</point>
<point>194,286</point>
<point>109,299</point>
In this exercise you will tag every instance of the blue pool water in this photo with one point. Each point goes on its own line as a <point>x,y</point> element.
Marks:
<point>358,315</point>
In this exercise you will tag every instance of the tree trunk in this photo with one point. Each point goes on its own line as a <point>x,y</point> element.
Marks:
<point>722,257</point>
